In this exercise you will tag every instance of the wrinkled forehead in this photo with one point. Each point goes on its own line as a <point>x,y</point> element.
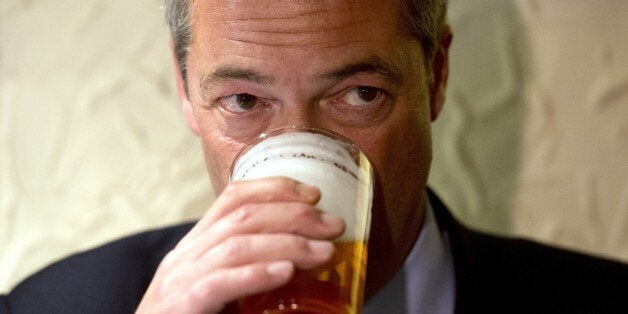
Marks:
<point>317,19</point>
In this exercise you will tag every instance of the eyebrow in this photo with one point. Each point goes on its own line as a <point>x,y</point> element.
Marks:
<point>228,73</point>
<point>370,65</point>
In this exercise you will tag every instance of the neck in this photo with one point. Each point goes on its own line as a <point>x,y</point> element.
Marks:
<point>389,250</point>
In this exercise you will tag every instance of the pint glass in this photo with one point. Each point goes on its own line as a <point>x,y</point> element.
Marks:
<point>344,176</point>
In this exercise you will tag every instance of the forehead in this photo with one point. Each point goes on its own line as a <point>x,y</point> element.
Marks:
<point>293,23</point>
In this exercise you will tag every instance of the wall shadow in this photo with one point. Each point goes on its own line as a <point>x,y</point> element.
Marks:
<point>477,137</point>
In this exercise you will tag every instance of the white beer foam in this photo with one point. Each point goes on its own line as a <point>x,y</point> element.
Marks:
<point>316,160</point>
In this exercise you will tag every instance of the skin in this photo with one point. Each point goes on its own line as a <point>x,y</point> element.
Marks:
<point>304,62</point>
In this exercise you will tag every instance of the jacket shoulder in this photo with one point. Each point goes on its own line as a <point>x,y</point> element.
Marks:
<point>513,275</point>
<point>525,276</point>
<point>111,278</point>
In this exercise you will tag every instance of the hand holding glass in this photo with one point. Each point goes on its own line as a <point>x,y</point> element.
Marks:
<point>344,176</point>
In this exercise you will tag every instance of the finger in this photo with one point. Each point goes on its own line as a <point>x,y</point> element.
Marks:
<point>292,218</point>
<point>249,249</point>
<point>215,290</point>
<point>276,189</point>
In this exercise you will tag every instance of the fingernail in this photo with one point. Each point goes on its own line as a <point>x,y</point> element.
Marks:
<point>308,191</point>
<point>324,248</point>
<point>280,269</point>
<point>331,219</point>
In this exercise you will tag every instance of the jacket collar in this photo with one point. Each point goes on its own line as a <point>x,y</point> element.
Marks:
<point>460,239</point>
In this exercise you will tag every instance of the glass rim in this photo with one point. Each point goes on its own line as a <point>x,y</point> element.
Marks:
<point>355,150</point>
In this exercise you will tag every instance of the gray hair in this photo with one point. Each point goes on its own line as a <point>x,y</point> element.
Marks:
<point>425,19</point>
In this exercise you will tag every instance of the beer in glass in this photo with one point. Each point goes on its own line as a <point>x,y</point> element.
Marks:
<point>344,176</point>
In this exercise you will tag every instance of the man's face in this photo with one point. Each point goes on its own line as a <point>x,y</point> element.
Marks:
<point>346,66</point>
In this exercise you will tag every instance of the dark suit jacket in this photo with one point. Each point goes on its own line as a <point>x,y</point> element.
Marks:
<point>493,275</point>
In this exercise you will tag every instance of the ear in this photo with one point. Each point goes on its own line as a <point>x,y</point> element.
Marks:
<point>186,105</point>
<point>440,71</point>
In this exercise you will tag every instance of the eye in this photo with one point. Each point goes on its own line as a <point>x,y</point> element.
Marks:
<point>239,102</point>
<point>361,96</point>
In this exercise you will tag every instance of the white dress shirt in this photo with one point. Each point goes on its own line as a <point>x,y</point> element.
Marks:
<point>426,283</point>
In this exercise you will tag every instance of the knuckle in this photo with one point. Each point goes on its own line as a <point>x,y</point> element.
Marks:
<point>248,273</point>
<point>240,214</point>
<point>284,181</point>
<point>302,210</point>
<point>232,246</point>
<point>204,293</point>
<point>297,243</point>
<point>231,188</point>
<point>170,258</point>
<point>284,184</point>
<point>236,221</point>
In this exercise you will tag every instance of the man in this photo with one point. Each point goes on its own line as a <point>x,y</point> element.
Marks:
<point>374,71</point>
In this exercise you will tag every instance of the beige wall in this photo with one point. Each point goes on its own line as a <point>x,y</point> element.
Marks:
<point>533,140</point>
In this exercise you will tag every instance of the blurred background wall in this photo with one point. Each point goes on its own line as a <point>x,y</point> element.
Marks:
<point>533,140</point>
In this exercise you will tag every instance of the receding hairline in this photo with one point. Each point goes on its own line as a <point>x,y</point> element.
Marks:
<point>426,26</point>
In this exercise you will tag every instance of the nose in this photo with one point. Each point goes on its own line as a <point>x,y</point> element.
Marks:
<point>300,114</point>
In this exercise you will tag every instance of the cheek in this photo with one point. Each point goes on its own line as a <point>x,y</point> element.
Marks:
<point>219,153</point>
<point>401,154</point>
<point>401,147</point>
